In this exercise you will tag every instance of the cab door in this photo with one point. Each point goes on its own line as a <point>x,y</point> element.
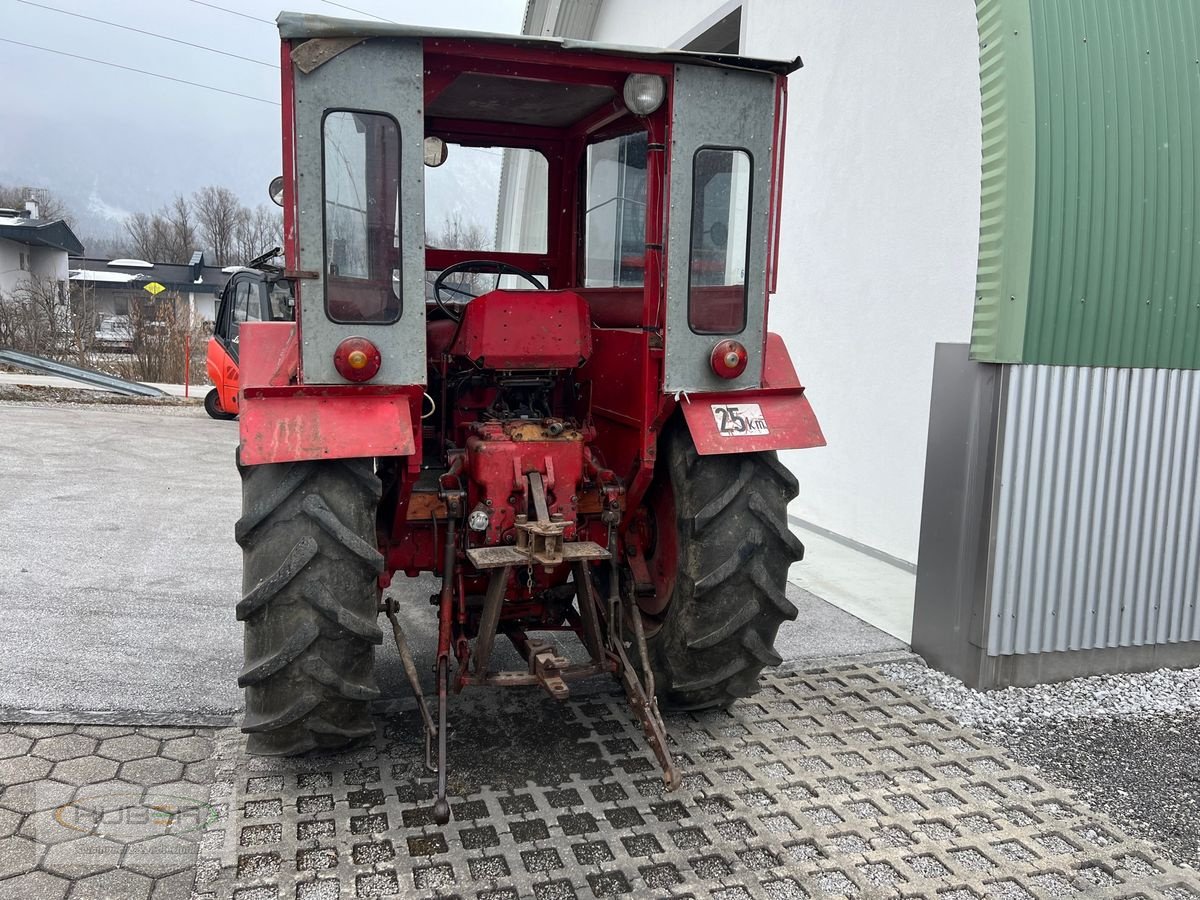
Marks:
<point>722,125</point>
<point>241,303</point>
<point>359,136</point>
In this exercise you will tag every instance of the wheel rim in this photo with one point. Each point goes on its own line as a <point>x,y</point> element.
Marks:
<point>656,530</point>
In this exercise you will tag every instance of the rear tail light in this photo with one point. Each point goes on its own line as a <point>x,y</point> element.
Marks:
<point>357,359</point>
<point>728,359</point>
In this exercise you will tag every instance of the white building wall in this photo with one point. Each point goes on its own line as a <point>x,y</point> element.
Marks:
<point>40,262</point>
<point>10,265</point>
<point>49,263</point>
<point>879,229</point>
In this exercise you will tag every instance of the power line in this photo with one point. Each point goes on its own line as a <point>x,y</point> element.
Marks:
<point>361,12</point>
<point>207,87</point>
<point>162,37</point>
<point>232,12</point>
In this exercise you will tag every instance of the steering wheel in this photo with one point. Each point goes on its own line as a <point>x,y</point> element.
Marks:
<point>484,266</point>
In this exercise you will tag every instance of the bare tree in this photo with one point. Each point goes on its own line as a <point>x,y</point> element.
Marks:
<point>159,332</point>
<point>218,213</point>
<point>50,206</point>
<point>49,318</point>
<point>459,234</point>
<point>112,245</point>
<point>149,235</point>
<point>181,230</point>
<point>257,232</point>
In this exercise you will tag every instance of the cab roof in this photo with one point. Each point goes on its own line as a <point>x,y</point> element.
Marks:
<point>304,26</point>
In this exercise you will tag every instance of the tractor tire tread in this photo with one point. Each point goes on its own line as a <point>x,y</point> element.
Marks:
<point>730,591</point>
<point>309,674</point>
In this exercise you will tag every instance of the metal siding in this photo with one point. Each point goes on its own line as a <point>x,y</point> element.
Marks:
<point>1006,184</point>
<point>1115,278</point>
<point>1097,537</point>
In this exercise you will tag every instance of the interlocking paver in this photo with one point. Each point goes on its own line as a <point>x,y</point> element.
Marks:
<point>89,855</point>
<point>34,886</point>
<point>18,854</point>
<point>85,770</point>
<point>132,746</point>
<point>37,796</point>
<point>64,746</point>
<point>14,745</point>
<point>152,771</point>
<point>22,769</point>
<point>81,829</point>
<point>9,822</point>
<point>826,783</point>
<point>109,885</point>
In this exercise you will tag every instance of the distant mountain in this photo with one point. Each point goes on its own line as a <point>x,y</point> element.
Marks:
<point>105,168</point>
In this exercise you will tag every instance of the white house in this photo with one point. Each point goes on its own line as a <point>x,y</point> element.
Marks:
<point>33,248</point>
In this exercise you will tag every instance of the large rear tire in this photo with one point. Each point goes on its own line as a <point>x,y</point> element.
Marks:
<point>733,548</point>
<point>309,603</point>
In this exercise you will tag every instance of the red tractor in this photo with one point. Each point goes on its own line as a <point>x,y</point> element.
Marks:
<point>571,422</point>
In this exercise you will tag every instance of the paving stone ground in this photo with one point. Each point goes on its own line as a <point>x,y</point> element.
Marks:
<point>91,812</point>
<point>829,782</point>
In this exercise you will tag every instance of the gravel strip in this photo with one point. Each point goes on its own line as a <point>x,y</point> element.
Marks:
<point>1128,744</point>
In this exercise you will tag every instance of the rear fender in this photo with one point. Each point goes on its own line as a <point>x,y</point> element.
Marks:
<point>284,421</point>
<point>776,416</point>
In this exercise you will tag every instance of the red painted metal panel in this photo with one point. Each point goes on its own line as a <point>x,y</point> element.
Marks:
<point>718,422</point>
<point>282,421</point>
<point>775,417</point>
<point>289,429</point>
<point>526,330</point>
<point>268,353</point>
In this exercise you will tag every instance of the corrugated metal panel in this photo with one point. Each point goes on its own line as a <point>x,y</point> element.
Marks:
<point>1115,277</point>
<point>1097,536</point>
<point>1006,201</point>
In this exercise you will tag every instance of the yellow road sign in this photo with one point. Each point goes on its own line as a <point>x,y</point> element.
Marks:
<point>154,288</point>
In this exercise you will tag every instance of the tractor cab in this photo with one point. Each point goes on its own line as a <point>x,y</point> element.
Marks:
<point>530,356</point>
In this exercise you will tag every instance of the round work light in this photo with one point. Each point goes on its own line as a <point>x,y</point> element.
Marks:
<point>644,93</point>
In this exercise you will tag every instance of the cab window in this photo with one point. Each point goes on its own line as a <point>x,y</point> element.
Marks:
<point>614,224</point>
<point>246,306</point>
<point>362,217</point>
<point>488,199</point>
<point>720,247</point>
<point>281,305</point>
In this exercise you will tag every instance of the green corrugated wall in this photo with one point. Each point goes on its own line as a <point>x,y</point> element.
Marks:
<point>1089,248</point>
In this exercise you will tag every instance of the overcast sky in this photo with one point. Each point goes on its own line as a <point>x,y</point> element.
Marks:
<point>116,140</point>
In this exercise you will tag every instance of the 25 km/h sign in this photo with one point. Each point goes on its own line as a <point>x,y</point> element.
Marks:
<point>154,288</point>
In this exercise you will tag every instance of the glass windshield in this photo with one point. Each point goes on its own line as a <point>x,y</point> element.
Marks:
<point>487,198</point>
<point>615,217</point>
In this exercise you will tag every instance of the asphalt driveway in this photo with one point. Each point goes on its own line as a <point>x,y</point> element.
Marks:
<point>119,572</point>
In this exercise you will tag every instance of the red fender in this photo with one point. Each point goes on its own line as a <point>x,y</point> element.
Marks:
<point>776,416</point>
<point>282,421</point>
